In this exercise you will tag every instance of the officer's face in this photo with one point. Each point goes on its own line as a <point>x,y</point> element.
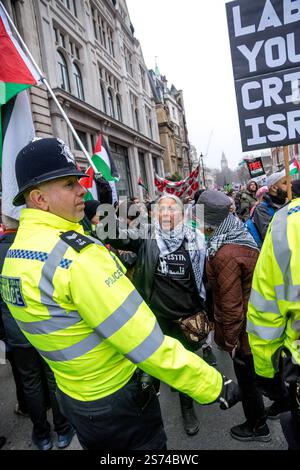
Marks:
<point>64,197</point>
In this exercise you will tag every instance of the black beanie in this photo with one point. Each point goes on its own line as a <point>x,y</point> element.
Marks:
<point>90,208</point>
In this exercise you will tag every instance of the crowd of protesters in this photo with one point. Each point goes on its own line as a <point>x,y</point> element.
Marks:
<point>182,265</point>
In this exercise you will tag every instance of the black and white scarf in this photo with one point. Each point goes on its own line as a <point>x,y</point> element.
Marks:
<point>194,243</point>
<point>231,231</point>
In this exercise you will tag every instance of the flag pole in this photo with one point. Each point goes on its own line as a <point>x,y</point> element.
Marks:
<point>287,171</point>
<point>45,82</point>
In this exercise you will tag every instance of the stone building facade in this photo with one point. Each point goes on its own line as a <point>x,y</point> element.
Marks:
<point>172,125</point>
<point>278,155</point>
<point>95,66</point>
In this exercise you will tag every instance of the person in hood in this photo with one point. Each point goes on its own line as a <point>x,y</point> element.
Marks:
<point>248,199</point>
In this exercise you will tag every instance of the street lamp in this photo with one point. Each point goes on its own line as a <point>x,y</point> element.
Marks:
<point>203,174</point>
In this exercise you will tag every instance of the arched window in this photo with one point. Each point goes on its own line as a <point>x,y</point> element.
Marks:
<point>119,108</point>
<point>103,98</point>
<point>63,72</point>
<point>78,82</point>
<point>111,104</point>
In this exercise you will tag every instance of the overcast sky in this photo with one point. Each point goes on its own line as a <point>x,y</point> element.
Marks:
<point>190,40</point>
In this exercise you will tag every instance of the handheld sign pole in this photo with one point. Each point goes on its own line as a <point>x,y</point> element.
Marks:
<point>287,171</point>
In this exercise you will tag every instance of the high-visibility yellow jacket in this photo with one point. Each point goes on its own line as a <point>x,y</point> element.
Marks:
<point>274,306</point>
<point>79,310</point>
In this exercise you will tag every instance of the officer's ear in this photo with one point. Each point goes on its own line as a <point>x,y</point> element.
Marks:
<point>37,198</point>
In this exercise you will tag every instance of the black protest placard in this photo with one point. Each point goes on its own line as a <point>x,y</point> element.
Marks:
<point>265,49</point>
<point>255,167</point>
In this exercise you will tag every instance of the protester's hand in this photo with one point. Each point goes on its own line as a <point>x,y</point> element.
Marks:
<point>230,395</point>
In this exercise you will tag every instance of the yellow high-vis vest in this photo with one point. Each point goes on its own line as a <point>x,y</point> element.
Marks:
<point>274,306</point>
<point>72,301</point>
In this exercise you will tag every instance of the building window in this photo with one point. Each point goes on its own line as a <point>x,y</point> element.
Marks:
<point>110,42</point>
<point>103,98</point>
<point>63,70</point>
<point>128,61</point>
<point>137,122</point>
<point>143,168</point>
<point>71,5</point>
<point>120,156</point>
<point>143,77</point>
<point>62,41</point>
<point>94,15</point>
<point>83,137</point>
<point>56,35</point>
<point>77,53</point>
<point>111,104</point>
<point>78,82</point>
<point>155,164</point>
<point>119,108</point>
<point>103,29</point>
<point>150,128</point>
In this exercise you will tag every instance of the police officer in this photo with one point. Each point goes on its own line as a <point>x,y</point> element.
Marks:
<point>73,302</point>
<point>274,315</point>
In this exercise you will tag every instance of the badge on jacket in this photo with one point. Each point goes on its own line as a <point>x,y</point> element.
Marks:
<point>76,240</point>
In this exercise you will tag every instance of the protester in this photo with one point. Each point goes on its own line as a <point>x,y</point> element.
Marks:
<point>273,317</point>
<point>169,276</point>
<point>271,202</point>
<point>232,255</point>
<point>85,317</point>
<point>259,197</point>
<point>248,199</point>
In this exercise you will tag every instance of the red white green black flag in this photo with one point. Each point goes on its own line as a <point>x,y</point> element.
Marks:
<point>17,73</point>
<point>105,165</point>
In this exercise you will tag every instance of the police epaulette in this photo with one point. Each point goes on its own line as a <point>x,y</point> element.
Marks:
<point>76,240</point>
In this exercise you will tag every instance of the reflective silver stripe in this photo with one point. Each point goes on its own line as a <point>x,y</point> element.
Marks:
<point>60,319</point>
<point>120,316</point>
<point>148,347</point>
<point>281,247</point>
<point>296,326</point>
<point>265,332</point>
<point>263,305</point>
<point>74,351</point>
<point>49,326</point>
<point>292,294</point>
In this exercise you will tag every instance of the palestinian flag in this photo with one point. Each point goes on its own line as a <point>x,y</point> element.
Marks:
<point>105,165</point>
<point>16,125</point>
<point>17,72</point>
<point>140,183</point>
<point>294,167</point>
<point>183,188</point>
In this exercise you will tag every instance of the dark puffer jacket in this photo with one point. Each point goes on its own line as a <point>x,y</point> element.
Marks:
<point>248,200</point>
<point>229,275</point>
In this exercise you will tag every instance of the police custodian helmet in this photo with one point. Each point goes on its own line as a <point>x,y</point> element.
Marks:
<point>43,160</point>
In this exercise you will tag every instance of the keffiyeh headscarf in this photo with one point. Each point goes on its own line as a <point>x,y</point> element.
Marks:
<point>194,243</point>
<point>230,231</point>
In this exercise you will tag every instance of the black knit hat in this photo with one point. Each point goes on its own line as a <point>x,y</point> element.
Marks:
<point>216,207</point>
<point>43,160</point>
<point>90,208</point>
